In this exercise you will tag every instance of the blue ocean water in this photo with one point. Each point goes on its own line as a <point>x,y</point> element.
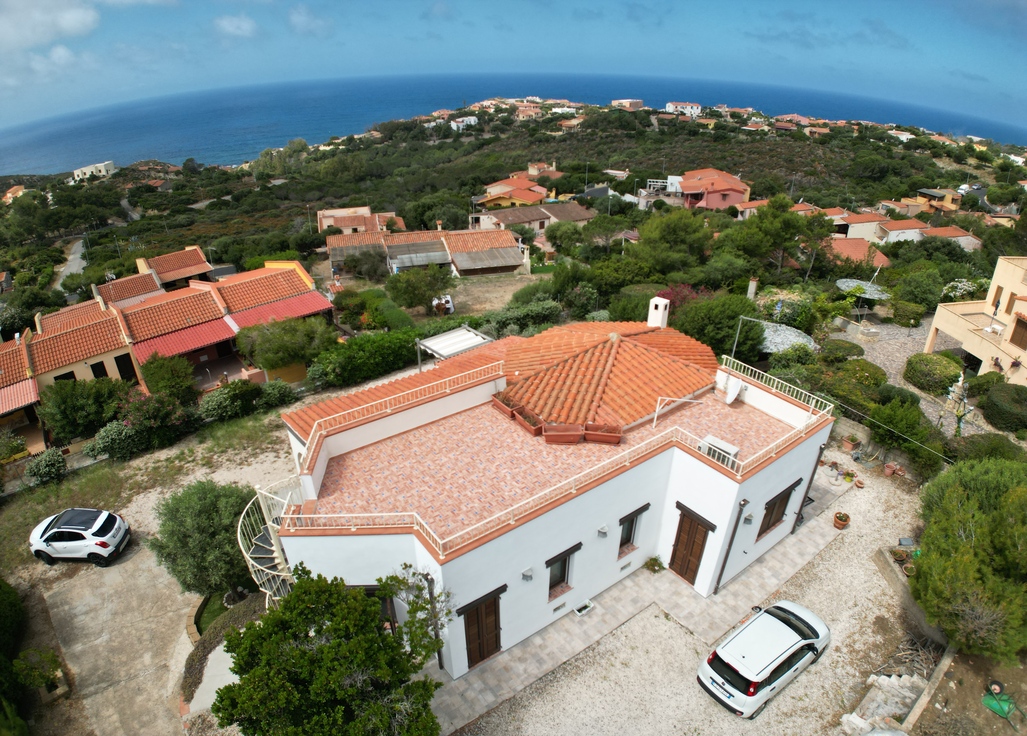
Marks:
<point>229,126</point>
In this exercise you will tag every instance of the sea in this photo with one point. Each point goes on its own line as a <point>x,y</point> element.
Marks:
<point>231,126</point>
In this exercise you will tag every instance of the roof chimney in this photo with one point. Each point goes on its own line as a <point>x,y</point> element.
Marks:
<point>753,283</point>
<point>438,224</point>
<point>39,324</point>
<point>659,312</point>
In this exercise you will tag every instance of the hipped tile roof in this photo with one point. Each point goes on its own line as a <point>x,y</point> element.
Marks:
<point>184,341</point>
<point>468,241</point>
<point>858,250</point>
<point>899,225</point>
<point>76,315</point>
<point>13,363</point>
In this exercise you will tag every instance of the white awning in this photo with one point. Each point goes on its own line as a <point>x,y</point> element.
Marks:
<point>453,342</point>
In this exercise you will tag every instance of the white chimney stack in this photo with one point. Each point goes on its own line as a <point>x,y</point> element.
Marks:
<point>659,311</point>
<point>753,284</point>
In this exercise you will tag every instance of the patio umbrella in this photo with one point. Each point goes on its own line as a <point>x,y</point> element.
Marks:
<point>777,337</point>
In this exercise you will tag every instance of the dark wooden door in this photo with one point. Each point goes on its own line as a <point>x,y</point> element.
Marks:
<point>688,547</point>
<point>481,629</point>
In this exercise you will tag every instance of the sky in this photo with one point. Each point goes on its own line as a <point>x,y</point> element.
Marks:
<point>60,56</point>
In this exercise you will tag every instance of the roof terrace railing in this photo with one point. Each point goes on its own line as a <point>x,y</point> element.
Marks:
<point>323,427</point>
<point>816,404</point>
<point>443,546</point>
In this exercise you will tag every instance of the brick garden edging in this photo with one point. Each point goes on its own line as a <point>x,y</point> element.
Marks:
<point>192,621</point>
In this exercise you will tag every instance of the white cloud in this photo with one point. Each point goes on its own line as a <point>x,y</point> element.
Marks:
<point>239,26</point>
<point>439,10</point>
<point>59,58</point>
<point>306,23</point>
<point>26,24</point>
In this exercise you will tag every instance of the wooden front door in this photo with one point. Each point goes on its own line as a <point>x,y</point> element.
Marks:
<point>481,628</point>
<point>688,547</point>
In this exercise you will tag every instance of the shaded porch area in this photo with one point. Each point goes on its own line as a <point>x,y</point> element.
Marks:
<point>208,374</point>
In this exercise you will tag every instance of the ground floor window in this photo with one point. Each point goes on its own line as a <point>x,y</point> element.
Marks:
<point>628,529</point>
<point>559,572</point>
<point>774,510</point>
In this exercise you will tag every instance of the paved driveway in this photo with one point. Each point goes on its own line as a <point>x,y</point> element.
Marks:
<point>122,633</point>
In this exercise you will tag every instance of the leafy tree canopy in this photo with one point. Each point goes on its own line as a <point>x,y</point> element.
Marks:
<point>417,287</point>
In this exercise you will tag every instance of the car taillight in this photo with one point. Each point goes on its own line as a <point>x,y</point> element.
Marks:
<point>103,544</point>
<point>712,655</point>
<point>753,687</point>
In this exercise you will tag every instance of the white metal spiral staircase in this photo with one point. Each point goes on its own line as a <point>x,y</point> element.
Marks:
<point>257,535</point>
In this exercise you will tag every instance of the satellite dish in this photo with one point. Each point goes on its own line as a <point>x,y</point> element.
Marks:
<point>734,385</point>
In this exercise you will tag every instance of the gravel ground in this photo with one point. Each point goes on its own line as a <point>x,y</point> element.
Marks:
<point>641,677</point>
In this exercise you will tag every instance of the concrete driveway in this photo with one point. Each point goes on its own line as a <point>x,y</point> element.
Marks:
<point>122,633</point>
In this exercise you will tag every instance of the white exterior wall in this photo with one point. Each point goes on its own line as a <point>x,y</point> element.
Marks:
<point>897,235</point>
<point>865,230</point>
<point>768,403</point>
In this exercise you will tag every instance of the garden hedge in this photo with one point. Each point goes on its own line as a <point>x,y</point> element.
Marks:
<point>237,616</point>
<point>904,313</point>
<point>838,351</point>
<point>933,374</point>
<point>1005,407</point>
<point>888,393</point>
<point>980,385</point>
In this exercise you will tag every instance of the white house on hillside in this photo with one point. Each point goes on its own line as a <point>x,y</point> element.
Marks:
<point>523,524</point>
<point>692,109</point>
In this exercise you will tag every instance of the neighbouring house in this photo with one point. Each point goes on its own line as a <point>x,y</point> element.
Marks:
<point>459,124</point>
<point>707,123</point>
<point>129,290</point>
<point>161,185</point>
<point>943,139</point>
<point>572,124</point>
<point>357,220</point>
<point>967,241</point>
<point>835,213</point>
<point>691,109</point>
<point>1023,183</point>
<point>537,217</point>
<point>860,225</point>
<point>538,170</point>
<point>748,209</point>
<point>524,522</point>
<point>14,192</point>
<point>783,126</point>
<point>993,330</point>
<point>632,105</point>
<point>709,189</point>
<point>528,112</point>
<point>756,128</point>
<point>892,231</point>
<point>104,169</point>
<point>910,208</point>
<point>804,208</point>
<point>511,192</point>
<point>902,135</point>
<point>19,395</point>
<point>793,117</point>
<point>857,250</point>
<point>465,252</point>
<point>814,132</point>
<point>936,200</point>
<point>175,270</point>
<point>6,283</point>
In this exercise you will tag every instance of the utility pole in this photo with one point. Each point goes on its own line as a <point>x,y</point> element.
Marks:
<point>310,228</point>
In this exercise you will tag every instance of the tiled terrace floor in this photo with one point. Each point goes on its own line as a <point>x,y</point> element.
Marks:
<point>429,470</point>
<point>461,701</point>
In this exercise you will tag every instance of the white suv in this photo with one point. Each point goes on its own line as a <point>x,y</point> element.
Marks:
<point>80,534</point>
<point>759,659</point>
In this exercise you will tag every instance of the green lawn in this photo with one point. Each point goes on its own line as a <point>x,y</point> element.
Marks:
<point>215,607</point>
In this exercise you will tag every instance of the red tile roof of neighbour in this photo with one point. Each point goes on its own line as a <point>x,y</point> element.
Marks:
<point>864,217</point>
<point>514,183</point>
<point>18,395</point>
<point>263,286</point>
<point>53,350</point>
<point>897,225</point>
<point>302,305</point>
<point>949,231</point>
<point>128,287</point>
<point>179,265</point>
<point>468,241</point>
<point>13,363</point>
<point>68,317</point>
<point>752,204</point>
<point>524,195</point>
<point>600,384</point>
<point>165,313</point>
<point>350,239</point>
<point>803,207</point>
<point>184,341</point>
<point>834,212</point>
<point>712,180</point>
<point>858,250</point>
<point>301,421</point>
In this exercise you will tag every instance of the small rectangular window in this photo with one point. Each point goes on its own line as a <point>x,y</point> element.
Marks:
<point>69,376</point>
<point>1010,303</point>
<point>559,572</point>
<point>1019,336</point>
<point>99,369</point>
<point>628,528</point>
<point>998,296</point>
<point>774,511</point>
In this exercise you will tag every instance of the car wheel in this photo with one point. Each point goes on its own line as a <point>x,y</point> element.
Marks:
<point>819,655</point>
<point>46,558</point>
<point>98,560</point>
<point>757,711</point>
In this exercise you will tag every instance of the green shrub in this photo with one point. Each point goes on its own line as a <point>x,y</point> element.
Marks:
<point>395,318</point>
<point>922,288</point>
<point>10,723</point>
<point>172,376</point>
<point>535,292</point>
<point>980,385</point>
<point>11,691</point>
<point>904,426</point>
<point>116,440</point>
<point>1005,407</point>
<point>159,420</point>
<point>536,313</point>
<point>983,446</point>
<point>888,393</point>
<point>71,409</point>
<point>349,305</point>
<point>834,351</point>
<point>933,374</point>
<point>275,345</point>
<point>863,373</point>
<point>274,394</point>
<point>601,315</point>
<point>951,355</point>
<point>234,399</point>
<point>904,313</point>
<point>213,636</point>
<point>581,300</point>
<point>445,324</point>
<point>368,356</point>
<point>626,307</point>
<point>854,401</point>
<point>12,620</point>
<point>49,467</point>
<point>1021,434</point>
<point>795,355</point>
<point>11,443</point>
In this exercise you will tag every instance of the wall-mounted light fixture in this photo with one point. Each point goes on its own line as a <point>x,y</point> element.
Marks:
<point>603,530</point>
<point>747,519</point>
<point>527,574</point>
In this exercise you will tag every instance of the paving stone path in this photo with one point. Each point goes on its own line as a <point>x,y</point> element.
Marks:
<point>893,348</point>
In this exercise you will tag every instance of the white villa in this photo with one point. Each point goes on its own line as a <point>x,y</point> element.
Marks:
<point>629,441</point>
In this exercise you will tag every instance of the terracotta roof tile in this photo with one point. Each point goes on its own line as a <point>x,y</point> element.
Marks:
<point>166,313</point>
<point>13,365</point>
<point>18,395</point>
<point>128,287</point>
<point>178,265</point>
<point>859,250</point>
<point>949,231</point>
<point>679,345</point>
<point>263,286</point>
<point>301,305</point>
<point>77,314</point>
<point>864,217</point>
<point>50,351</point>
<point>184,341</point>
<point>753,204</point>
<point>899,225</point>
<point>468,241</point>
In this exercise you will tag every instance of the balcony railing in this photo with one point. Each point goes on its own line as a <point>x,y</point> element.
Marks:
<point>816,404</point>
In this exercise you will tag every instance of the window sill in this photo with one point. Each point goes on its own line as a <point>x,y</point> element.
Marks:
<point>559,590</point>
<point>626,550</point>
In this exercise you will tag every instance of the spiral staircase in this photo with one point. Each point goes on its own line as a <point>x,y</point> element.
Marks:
<point>257,535</point>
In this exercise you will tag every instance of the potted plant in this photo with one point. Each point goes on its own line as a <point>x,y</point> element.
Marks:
<point>850,442</point>
<point>562,434</point>
<point>504,405</point>
<point>528,420</point>
<point>899,555</point>
<point>841,520</point>
<point>849,476</point>
<point>910,569</point>
<point>605,433</point>
<point>889,468</point>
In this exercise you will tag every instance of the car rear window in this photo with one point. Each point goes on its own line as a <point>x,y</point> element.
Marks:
<point>793,622</point>
<point>105,528</point>
<point>729,673</point>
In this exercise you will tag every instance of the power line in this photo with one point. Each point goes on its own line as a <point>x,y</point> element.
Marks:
<point>895,431</point>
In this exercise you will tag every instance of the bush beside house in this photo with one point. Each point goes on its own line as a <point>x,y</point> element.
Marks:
<point>933,374</point>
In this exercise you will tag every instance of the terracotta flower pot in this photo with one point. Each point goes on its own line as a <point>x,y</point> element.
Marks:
<point>841,520</point>
<point>849,445</point>
<point>507,411</point>
<point>563,434</point>
<point>889,468</point>
<point>859,483</point>
<point>602,433</point>
<point>533,427</point>
<point>910,569</point>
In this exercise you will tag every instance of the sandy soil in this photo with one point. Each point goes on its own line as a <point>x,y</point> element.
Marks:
<point>956,708</point>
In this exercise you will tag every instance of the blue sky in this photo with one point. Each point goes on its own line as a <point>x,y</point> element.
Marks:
<point>60,56</point>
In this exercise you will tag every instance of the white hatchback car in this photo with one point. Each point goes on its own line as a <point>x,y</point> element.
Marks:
<point>80,534</point>
<point>759,659</point>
